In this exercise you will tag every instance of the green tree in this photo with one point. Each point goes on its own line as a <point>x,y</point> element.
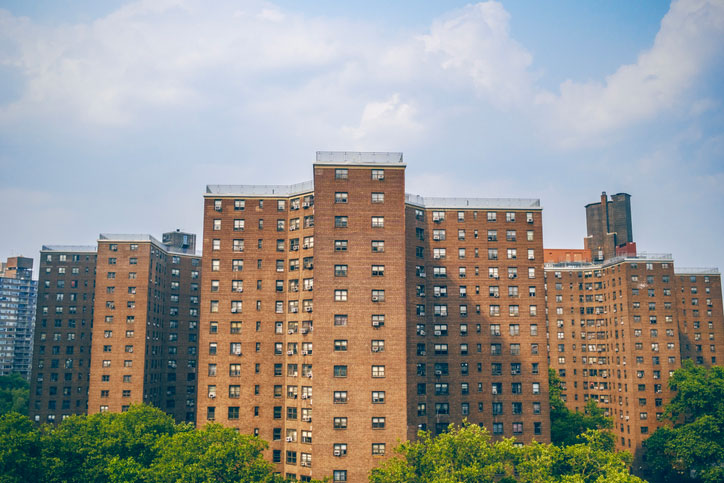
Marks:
<point>21,450</point>
<point>14,394</point>
<point>100,447</point>
<point>467,454</point>
<point>567,426</point>
<point>210,455</point>
<point>691,446</point>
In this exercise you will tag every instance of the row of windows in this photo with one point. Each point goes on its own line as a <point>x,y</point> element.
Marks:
<point>440,234</point>
<point>239,224</point>
<point>238,244</point>
<point>240,204</point>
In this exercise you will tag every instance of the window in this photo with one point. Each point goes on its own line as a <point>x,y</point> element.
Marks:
<point>340,295</point>
<point>378,423</point>
<point>340,245</point>
<point>340,371</point>
<point>340,397</point>
<point>340,423</point>
<point>378,295</point>
<point>341,222</point>
<point>341,173</point>
<point>378,371</point>
<point>378,174</point>
<point>339,475</point>
<point>340,197</point>
<point>340,345</point>
<point>378,246</point>
<point>378,397</point>
<point>378,270</point>
<point>378,197</point>
<point>378,221</point>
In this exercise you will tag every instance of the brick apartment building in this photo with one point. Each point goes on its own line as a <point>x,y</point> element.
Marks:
<point>340,316</point>
<point>145,330</point>
<point>61,359</point>
<point>619,326</point>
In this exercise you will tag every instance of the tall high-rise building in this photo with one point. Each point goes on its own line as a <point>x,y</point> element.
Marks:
<point>620,325</point>
<point>340,316</point>
<point>608,225</point>
<point>18,296</point>
<point>62,342</point>
<point>145,330</point>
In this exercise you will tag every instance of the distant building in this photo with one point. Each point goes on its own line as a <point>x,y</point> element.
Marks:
<point>609,226</point>
<point>145,330</point>
<point>621,324</point>
<point>61,359</point>
<point>18,296</point>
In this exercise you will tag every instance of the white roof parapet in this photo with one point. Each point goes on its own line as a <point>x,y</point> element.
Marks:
<point>664,257</point>
<point>696,271</point>
<point>69,248</point>
<point>359,158</point>
<point>479,203</point>
<point>146,238</point>
<point>259,189</point>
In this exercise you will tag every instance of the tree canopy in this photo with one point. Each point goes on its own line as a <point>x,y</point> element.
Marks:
<point>142,445</point>
<point>467,454</point>
<point>691,446</point>
<point>14,394</point>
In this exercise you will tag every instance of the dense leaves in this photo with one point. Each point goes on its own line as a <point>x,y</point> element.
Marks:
<point>567,425</point>
<point>467,454</point>
<point>691,446</point>
<point>14,393</point>
<point>142,445</point>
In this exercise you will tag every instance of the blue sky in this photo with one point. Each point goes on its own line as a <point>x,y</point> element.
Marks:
<point>115,115</point>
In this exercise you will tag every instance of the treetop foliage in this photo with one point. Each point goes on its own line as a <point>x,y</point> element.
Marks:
<point>467,454</point>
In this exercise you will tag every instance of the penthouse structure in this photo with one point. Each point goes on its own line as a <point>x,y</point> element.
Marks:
<point>61,359</point>
<point>145,331</point>
<point>620,326</point>
<point>18,296</point>
<point>340,316</point>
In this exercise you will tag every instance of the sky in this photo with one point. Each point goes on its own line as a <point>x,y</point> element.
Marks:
<point>115,115</point>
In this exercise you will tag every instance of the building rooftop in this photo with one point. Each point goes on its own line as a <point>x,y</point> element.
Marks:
<point>146,238</point>
<point>479,203</point>
<point>259,189</point>
<point>696,271</point>
<point>359,158</point>
<point>660,257</point>
<point>69,248</point>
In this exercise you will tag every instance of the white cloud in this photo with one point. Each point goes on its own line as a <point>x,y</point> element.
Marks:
<point>691,33</point>
<point>475,42</point>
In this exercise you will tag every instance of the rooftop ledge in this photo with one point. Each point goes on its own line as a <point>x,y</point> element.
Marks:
<point>359,158</point>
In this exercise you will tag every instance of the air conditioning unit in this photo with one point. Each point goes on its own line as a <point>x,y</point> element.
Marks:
<point>530,222</point>
<point>375,349</point>
<point>304,396</point>
<point>375,299</point>
<point>422,332</point>
<point>436,256</point>
<point>381,178</point>
<point>422,353</point>
<point>309,375</point>
<point>627,418</point>
<point>375,323</point>
<point>295,310</point>
<point>512,275</point>
<point>307,419</point>
<point>294,248</point>
<point>497,295</point>
<point>304,353</point>
<point>436,237</point>
<point>304,331</point>
<point>212,395</point>
<point>309,309</point>
<point>438,332</point>
<point>291,331</point>
<point>289,439</point>
<point>337,452</point>
<point>423,274</point>
<point>295,289</point>
<point>290,353</point>
<point>438,373</point>
<point>305,204</point>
